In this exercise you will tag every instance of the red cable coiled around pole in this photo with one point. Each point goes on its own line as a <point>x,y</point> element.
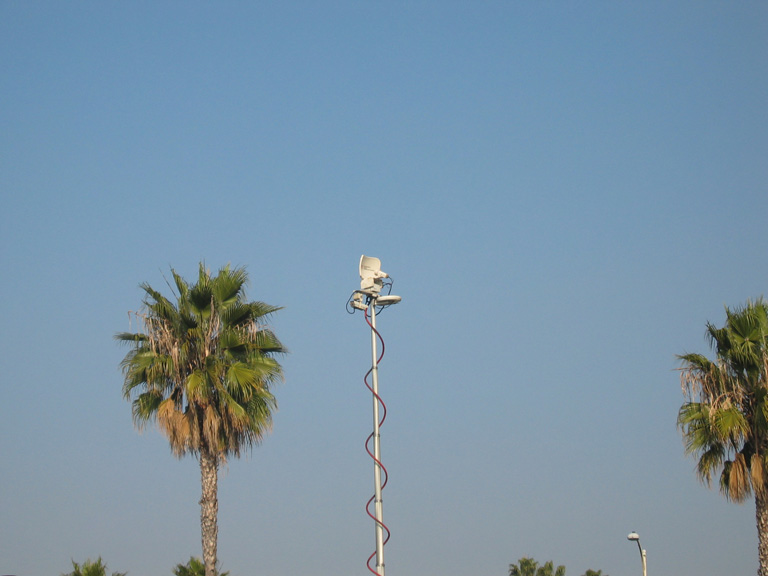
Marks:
<point>377,462</point>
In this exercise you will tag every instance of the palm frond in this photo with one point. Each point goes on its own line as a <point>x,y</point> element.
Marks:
<point>242,380</point>
<point>197,386</point>
<point>145,407</point>
<point>710,461</point>
<point>228,285</point>
<point>130,337</point>
<point>262,311</point>
<point>181,285</point>
<point>175,425</point>
<point>739,480</point>
<point>731,423</point>
<point>267,342</point>
<point>236,314</point>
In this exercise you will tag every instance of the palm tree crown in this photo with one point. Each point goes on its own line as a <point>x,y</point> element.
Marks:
<point>91,568</point>
<point>724,420</point>
<point>529,567</point>
<point>202,367</point>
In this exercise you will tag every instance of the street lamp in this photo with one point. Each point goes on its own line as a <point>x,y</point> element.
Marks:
<point>369,298</point>
<point>636,537</point>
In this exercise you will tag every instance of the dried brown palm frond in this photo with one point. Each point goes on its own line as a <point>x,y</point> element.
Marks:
<point>739,487</point>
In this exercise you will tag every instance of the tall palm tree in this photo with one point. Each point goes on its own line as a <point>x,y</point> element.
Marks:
<point>724,420</point>
<point>202,368</point>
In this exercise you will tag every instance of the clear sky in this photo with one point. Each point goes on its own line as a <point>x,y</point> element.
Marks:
<point>563,193</point>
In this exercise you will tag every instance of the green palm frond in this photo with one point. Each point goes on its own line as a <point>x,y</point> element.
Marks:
<point>197,386</point>
<point>228,405</point>
<point>228,285</point>
<point>145,407</point>
<point>710,461</point>
<point>242,380</point>
<point>262,311</point>
<point>260,408</point>
<point>237,314</point>
<point>181,285</point>
<point>267,341</point>
<point>731,424</point>
<point>159,305</point>
<point>130,337</point>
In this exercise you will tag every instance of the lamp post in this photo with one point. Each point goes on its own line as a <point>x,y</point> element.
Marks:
<point>636,537</point>
<point>368,298</point>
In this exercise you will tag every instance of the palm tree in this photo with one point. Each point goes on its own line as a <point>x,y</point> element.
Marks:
<point>91,568</point>
<point>202,368</point>
<point>530,567</point>
<point>724,420</point>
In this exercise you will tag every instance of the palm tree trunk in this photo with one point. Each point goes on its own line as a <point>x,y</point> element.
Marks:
<point>209,509</point>
<point>761,508</point>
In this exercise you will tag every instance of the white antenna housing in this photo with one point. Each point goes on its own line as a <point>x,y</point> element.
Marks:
<point>371,275</point>
<point>371,268</point>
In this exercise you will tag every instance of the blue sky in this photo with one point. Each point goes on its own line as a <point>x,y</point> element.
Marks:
<point>563,193</point>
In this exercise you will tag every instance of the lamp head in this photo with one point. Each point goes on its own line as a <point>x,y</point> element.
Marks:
<point>633,536</point>
<point>387,300</point>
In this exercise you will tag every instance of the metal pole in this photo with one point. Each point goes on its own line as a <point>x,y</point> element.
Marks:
<point>642,556</point>
<point>378,509</point>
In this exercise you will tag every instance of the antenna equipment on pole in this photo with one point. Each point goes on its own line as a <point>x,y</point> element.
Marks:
<point>369,298</point>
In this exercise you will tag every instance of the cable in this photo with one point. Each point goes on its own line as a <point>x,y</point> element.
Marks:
<point>387,284</point>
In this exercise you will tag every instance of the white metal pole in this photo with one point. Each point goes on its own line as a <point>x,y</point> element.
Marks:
<point>636,538</point>
<point>378,508</point>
